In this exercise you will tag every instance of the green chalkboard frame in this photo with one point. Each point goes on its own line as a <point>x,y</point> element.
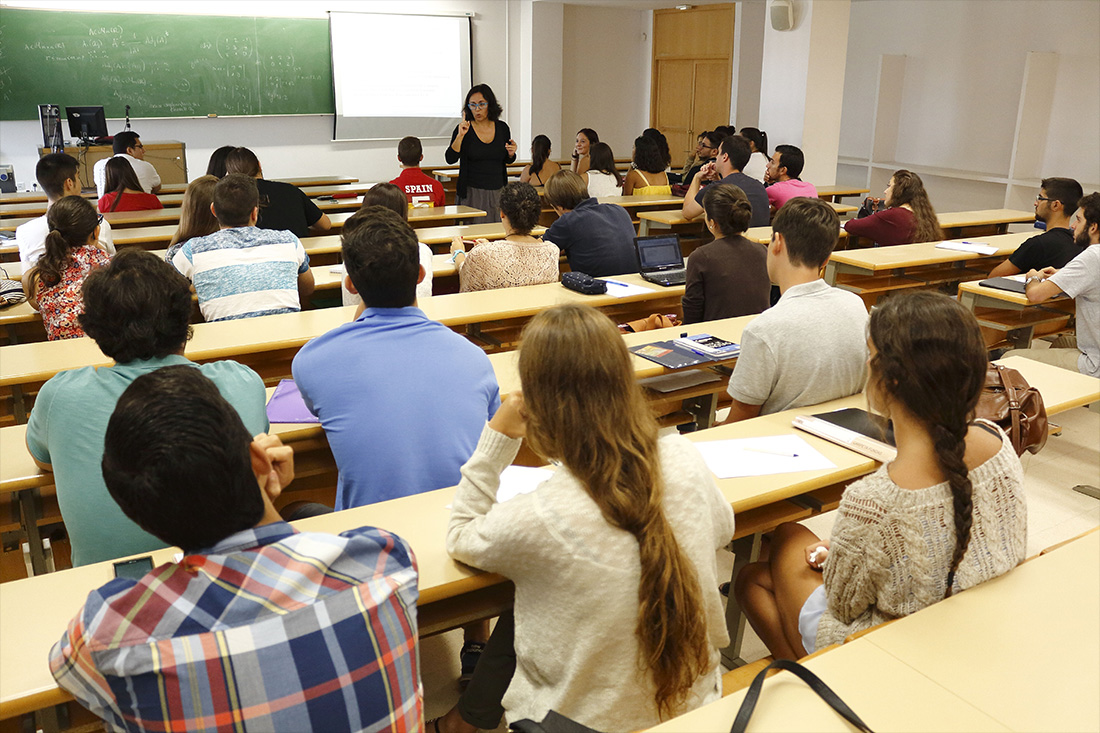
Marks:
<point>163,65</point>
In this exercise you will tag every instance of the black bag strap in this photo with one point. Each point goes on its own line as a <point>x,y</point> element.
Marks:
<point>741,722</point>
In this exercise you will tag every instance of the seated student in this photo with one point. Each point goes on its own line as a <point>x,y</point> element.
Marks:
<point>598,239</point>
<point>945,515</point>
<point>386,195</point>
<point>53,284</point>
<point>258,626</point>
<point>757,167</point>
<point>729,276</point>
<point>57,175</point>
<point>782,177</point>
<point>421,191</point>
<point>518,259</point>
<point>586,138</point>
<point>602,177</point>
<point>216,165</point>
<point>123,190</point>
<point>240,270</point>
<point>137,310</point>
<point>696,158</point>
<point>396,425</point>
<point>733,154</point>
<point>618,621</point>
<point>705,152</point>
<point>196,214</point>
<point>811,346</point>
<point>908,218</point>
<point>1057,200</point>
<point>648,175</point>
<point>127,145</point>
<point>539,170</point>
<point>1080,280</point>
<point>282,206</point>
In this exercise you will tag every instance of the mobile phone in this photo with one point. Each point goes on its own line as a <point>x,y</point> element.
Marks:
<point>134,569</point>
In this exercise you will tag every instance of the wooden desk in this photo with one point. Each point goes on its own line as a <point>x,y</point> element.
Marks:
<point>493,318</point>
<point>873,272</point>
<point>1010,314</point>
<point>339,183</point>
<point>38,208</point>
<point>28,628</point>
<point>763,235</point>
<point>169,157</point>
<point>837,193</point>
<point>885,692</point>
<point>970,643</point>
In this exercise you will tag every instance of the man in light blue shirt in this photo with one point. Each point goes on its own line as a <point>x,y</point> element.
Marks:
<point>137,310</point>
<point>402,398</point>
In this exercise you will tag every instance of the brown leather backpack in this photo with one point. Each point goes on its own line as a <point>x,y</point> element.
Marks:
<point>1017,407</point>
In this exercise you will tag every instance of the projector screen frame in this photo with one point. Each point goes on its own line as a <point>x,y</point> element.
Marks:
<point>408,128</point>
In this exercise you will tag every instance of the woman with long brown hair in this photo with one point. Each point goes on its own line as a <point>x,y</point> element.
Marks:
<point>196,217</point>
<point>945,515</point>
<point>909,216</point>
<point>618,621</point>
<point>124,191</point>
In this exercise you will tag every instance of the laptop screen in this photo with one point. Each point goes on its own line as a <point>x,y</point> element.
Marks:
<point>659,252</point>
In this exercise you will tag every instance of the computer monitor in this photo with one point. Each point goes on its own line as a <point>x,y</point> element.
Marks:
<point>86,122</point>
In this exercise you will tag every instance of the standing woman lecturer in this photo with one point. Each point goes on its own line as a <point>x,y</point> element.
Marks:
<point>482,146</point>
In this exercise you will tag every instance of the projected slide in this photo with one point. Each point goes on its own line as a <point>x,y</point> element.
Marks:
<point>397,75</point>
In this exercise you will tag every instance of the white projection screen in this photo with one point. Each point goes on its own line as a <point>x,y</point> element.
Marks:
<point>398,75</point>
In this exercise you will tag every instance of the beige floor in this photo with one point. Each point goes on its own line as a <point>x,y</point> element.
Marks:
<point>1055,513</point>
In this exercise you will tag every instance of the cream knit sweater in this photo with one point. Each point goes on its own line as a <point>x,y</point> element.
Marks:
<point>891,547</point>
<point>577,579</point>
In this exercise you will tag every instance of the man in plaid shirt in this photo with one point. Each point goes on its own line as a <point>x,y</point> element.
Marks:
<point>258,627</point>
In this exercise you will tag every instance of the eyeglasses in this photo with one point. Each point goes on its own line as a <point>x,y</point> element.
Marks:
<point>477,105</point>
<point>99,220</point>
<point>1042,198</point>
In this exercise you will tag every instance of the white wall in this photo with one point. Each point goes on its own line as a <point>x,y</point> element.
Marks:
<point>802,80</point>
<point>606,62</point>
<point>295,145</point>
<point>751,17</point>
<point>963,72</point>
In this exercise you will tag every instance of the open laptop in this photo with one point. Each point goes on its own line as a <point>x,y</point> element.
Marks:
<point>660,260</point>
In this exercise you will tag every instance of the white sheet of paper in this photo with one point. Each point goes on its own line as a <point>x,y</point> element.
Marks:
<point>516,480</point>
<point>761,456</point>
<point>617,289</point>
<point>963,246</point>
<point>339,269</point>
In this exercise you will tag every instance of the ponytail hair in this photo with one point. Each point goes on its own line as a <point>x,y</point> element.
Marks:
<point>540,152</point>
<point>758,137</point>
<point>909,189</point>
<point>72,221</point>
<point>930,357</point>
<point>568,354</point>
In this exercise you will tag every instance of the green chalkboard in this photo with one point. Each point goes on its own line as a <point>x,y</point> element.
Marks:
<point>163,65</point>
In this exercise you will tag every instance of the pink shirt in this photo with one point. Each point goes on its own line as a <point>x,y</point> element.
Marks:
<point>781,192</point>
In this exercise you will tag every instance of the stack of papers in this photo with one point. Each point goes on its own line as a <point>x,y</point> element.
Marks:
<point>761,456</point>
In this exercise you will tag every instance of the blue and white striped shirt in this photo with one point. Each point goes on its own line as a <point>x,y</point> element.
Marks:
<point>244,272</point>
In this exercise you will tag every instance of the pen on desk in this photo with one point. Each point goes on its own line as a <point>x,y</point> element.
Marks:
<point>769,451</point>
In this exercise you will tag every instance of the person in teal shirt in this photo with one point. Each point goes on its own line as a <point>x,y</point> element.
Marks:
<point>137,310</point>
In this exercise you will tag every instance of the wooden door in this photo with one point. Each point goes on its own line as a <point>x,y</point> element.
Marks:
<point>692,74</point>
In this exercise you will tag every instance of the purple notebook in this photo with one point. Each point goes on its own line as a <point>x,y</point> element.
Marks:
<point>286,404</point>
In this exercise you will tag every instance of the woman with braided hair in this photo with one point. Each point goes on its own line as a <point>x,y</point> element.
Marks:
<point>618,621</point>
<point>945,515</point>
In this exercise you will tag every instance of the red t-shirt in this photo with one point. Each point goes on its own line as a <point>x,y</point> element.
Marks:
<point>130,202</point>
<point>421,190</point>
